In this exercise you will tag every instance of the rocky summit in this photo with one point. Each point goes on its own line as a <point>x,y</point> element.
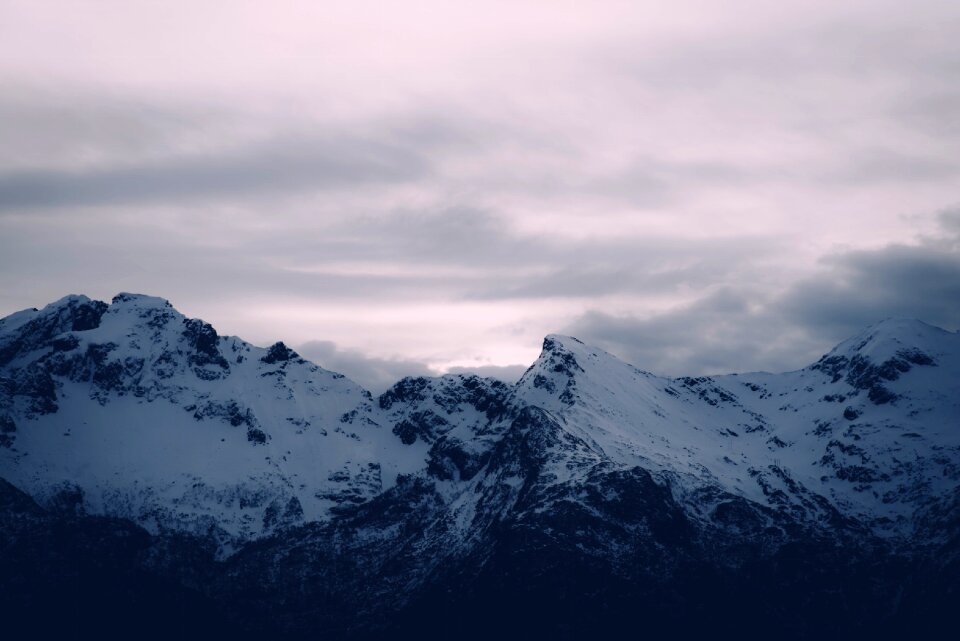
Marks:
<point>157,479</point>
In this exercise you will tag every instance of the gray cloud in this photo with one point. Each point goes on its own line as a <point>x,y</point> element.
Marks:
<point>43,128</point>
<point>934,112</point>
<point>374,374</point>
<point>881,43</point>
<point>453,253</point>
<point>650,266</point>
<point>506,373</point>
<point>744,329</point>
<point>280,165</point>
<point>861,287</point>
<point>378,374</point>
<point>640,162</point>
<point>949,221</point>
<point>717,334</point>
<point>877,164</point>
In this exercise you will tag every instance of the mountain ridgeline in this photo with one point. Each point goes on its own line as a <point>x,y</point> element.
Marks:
<point>157,478</point>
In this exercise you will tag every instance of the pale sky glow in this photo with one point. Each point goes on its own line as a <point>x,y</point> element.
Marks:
<point>406,187</point>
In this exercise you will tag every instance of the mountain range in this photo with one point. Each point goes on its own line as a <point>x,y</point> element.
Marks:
<point>154,471</point>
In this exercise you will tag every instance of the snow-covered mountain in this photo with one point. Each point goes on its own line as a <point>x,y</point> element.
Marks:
<point>872,429</point>
<point>588,475</point>
<point>142,413</point>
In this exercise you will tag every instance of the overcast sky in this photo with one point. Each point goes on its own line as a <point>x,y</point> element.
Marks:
<point>413,187</point>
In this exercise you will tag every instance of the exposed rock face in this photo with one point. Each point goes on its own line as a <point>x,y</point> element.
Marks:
<point>261,493</point>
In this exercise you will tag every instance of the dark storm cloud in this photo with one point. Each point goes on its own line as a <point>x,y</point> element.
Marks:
<point>743,329</point>
<point>279,165</point>
<point>716,334</point>
<point>861,287</point>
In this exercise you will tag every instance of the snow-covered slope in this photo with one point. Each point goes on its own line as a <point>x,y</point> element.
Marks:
<point>872,429</point>
<point>154,417</point>
<point>132,410</point>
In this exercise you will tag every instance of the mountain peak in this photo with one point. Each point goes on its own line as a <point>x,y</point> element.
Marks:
<point>278,353</point>
<point>568,355</point>
<point>891,338</point>
<point>140,300</point>
<point>68,301</point>
<point>884,351</point>
<point>25,331</point>
<point>566,364</point>
<point>559,354</point>
<point>153,417</point>
<point>553,342</point>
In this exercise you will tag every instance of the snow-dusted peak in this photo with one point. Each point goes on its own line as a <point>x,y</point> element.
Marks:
<point>893,337</point>
<point>576,356</point>
<point>70,300</point>
<point>867,425</point>
<point>29,330</point>
<point>156,417</point>
<point>560,342</point>
<point>17,319</point>
<point>566,366</point>
<point>65,310</point>
<point>884,352</point>
<point>126,299</point>
<point>137,310</point>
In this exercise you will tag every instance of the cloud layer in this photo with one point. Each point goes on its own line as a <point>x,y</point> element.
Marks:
<point>739,328</point>
<point>423,187</point>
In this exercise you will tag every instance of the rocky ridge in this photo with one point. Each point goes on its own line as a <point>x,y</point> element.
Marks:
<point>588,483</point>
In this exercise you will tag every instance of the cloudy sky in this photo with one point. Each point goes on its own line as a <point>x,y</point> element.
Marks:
<point>412,187</point>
